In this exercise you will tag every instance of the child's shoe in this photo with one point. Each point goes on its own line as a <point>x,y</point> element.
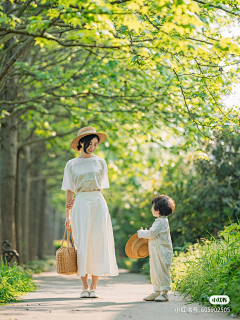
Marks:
<point>152,296</point>
<point>162,297</point>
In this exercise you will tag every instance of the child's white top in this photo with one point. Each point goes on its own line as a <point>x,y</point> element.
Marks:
<point>159,236</point>
<point>85,174</point>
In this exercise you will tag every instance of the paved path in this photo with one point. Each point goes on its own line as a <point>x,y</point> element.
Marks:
<point>120,298</point>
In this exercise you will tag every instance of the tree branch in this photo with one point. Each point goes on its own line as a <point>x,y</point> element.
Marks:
<point>14,57</point>
<point>45,139</point>
<point>35,35</point>
<point>210,5</point>
<point>189,111</point>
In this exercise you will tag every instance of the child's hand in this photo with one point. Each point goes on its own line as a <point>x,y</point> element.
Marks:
<point>142,228</point>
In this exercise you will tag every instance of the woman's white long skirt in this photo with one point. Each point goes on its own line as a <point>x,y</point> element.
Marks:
<point>93,235</point>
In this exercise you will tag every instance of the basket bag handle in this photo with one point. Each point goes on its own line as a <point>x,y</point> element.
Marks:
<point>68,237</point>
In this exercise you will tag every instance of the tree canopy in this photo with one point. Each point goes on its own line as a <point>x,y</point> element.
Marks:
<point>139,57</point>
<point>151,74</point>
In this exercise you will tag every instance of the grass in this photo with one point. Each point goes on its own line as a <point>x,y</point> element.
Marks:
<point>210,267</point>
<point>17,279</point>
<point>14,281</point>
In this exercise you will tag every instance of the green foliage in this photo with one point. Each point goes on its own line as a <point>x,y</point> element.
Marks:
<point>204,182</point>
<point>211,267</point>
<point>14,282</point>
<point>38,266</point>
<point>207,195</point>
<point>123,62</point>
<point>58,243</point>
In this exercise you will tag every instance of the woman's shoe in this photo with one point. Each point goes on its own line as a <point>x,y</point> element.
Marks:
<point>152,296</point>
<point>85,294</point>
<point>162,297</point>
<point>93,293</point>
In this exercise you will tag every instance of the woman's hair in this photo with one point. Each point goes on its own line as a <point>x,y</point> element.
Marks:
<point>87,139</point>
<point>164,204</point>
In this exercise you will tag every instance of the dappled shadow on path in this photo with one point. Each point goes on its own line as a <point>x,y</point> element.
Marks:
<point>60,295</point>
<point>120,297</point>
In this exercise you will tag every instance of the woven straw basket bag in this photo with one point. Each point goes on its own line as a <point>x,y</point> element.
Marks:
<point>66,257</point>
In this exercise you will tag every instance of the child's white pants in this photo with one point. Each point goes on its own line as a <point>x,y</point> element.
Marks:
<point>159,270</point>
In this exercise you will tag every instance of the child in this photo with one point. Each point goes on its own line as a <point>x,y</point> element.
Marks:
<point>160,247</point>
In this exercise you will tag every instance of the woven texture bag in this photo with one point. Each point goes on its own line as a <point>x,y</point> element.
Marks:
<point>66,257</point>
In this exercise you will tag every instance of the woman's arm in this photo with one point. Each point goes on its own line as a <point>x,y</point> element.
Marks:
<point>69,197</point>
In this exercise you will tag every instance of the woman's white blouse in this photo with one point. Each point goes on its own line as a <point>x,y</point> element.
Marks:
<point>85,174</point>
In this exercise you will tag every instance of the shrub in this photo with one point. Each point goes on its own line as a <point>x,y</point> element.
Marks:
<point>38,266</point>
<point>14,281</point>
<point>210,268</point>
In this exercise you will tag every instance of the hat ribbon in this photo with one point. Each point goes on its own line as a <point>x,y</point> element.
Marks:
<point>87,132</point>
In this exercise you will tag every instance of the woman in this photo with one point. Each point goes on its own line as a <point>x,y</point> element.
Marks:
<point>89,220</point>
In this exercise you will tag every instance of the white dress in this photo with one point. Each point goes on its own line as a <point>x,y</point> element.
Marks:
<point>160,253</point>
<point>90,219</point>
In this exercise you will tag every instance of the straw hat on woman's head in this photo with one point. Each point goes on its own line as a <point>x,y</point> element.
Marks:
<point>85,132</point>
<point>137,247</point>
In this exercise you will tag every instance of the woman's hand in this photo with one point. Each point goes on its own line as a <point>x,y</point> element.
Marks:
<point>70,204</point>
<point>68,223</point>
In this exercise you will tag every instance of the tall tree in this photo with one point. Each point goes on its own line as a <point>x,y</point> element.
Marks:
<point>147,64</point>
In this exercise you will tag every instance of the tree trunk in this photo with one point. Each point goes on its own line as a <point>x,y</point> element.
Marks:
<point>42,220</point>
<point>18,218</point>
<point>9,136</point>
<point>34,218</point>
<point>51,227</point>
<point>49,231</point>
<point>8,181</point>
<point>35,202</point>
<point>25,199</point>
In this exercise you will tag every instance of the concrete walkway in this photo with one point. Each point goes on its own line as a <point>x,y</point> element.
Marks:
<point>121,298</point>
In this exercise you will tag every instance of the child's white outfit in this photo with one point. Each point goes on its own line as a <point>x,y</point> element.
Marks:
<point>160,253</point>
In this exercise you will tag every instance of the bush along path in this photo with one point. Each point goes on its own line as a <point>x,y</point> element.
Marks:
<point>14,281</point>
<point>120,297</point>
<point>207,268</point>
<point>211,267</point>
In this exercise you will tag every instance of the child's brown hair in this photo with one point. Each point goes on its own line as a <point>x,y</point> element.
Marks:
<point>164,204</point>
